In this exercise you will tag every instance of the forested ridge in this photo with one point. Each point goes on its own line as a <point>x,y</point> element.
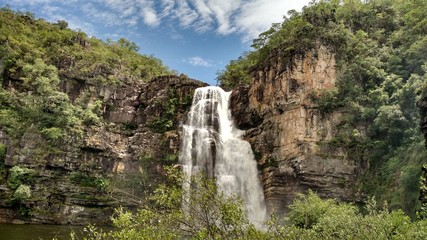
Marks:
<point>380,48</point>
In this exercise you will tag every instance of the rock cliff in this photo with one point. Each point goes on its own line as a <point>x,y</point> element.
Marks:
<point>288,133</point>
<point>126,149</point>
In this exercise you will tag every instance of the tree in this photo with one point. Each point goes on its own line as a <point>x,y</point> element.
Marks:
<point>62,24</point>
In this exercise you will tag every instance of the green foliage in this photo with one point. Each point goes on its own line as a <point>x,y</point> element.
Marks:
<point>52,133</point>
<point>39,58</point>
<point>171,158</point>
<point>422,213</point>
<point>327,100</point>
<point>62,24</point>
<point>102,184</point>
<point>23,192</point>
<point>92,114</point>
<point>72,52</point>
<point>3,169</point>
<point>41,106</point>
<point>162,125</point>
<point>124,43</point>
<point>19,176</point>
<point>167,120</point>
<point>313,218</point>
<point>237,72</point>
<point>206,213</point>
<point>306,210</point>
<point>3,151</point>
<point>86,180</point>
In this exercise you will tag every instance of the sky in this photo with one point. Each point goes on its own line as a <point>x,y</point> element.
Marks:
<point>195,37</point>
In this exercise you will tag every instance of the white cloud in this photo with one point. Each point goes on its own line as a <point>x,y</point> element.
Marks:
<point>198,62</point>
<point>224,11</point>
<point>150,17</point>
<point>107,17</point>
<point>245,17</point>
<point>184,13</point>
<point>124,7</point>
<point>257,16</point>
<point>167,7</point>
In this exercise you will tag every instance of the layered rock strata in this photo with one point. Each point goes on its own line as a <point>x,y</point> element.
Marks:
<point>288,134</point>
<point>136,135</point>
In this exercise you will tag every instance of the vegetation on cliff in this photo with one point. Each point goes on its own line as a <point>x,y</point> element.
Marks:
<point>380,48</point>
<point>37,56</point>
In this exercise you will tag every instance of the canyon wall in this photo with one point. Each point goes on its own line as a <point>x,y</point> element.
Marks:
<point>114,163</point>
<point>289,135</point>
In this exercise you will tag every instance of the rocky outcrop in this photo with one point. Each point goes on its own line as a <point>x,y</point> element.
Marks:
<point>288,134</point>
<point>126,150</point>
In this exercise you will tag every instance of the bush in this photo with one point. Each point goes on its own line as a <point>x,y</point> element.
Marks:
<point>327,100</point>
<point>23,192</point>
<point>18,176</point>
<point>308,209</point>
<point>52,133</point>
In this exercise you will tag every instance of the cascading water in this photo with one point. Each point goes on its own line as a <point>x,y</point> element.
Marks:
<point>213,145</point>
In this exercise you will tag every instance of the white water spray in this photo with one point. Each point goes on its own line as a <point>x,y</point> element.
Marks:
<point>212,144</point>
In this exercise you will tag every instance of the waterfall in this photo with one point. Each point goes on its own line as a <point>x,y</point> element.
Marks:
<point>212,144</point>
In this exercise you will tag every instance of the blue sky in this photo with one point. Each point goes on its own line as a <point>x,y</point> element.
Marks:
<point>194,37</point>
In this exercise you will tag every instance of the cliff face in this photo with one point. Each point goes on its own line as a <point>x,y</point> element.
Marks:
<point>137,135</point>
<point>288,134</point>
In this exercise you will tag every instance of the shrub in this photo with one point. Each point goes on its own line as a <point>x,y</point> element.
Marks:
<point>23,192</point>
<point>18,176</point>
